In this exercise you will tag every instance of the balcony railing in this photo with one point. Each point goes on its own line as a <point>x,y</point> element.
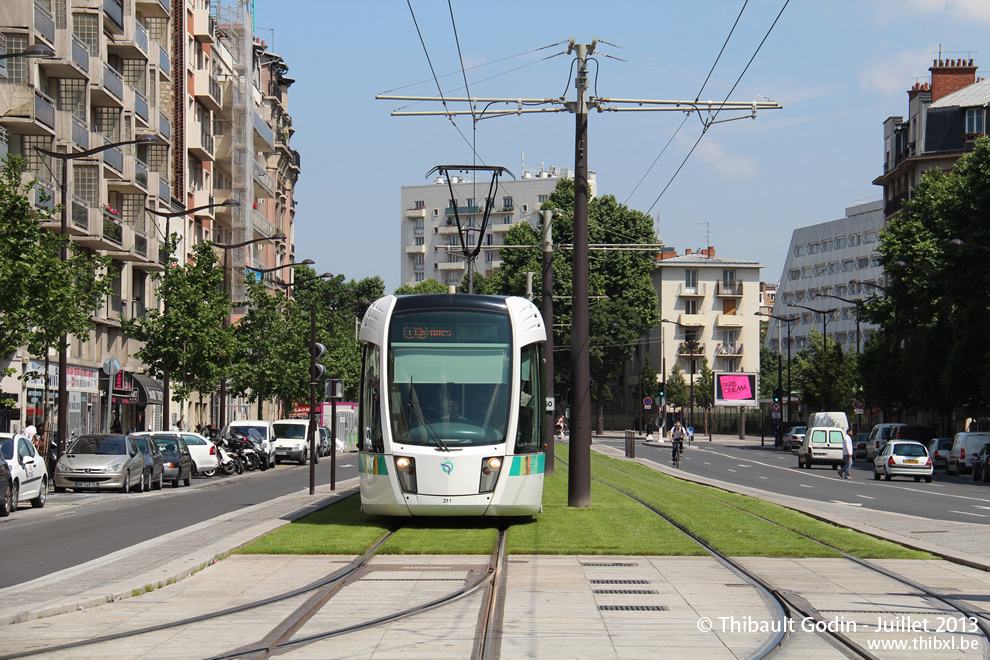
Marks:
<point>44,110</point>
<point>80,54</point>
<point>141,245</point>
<point>696,290</point>
<point>141,37</point>
<point>732,288</point>
<point>729,350</point>
<point>113,82</point>
<point>141,106</point>
<point>113,230</point>
<point>80,213</point>
<point>114,10</point>
<point>462,210</point>
<point>164,126</point>
<point>140,173</point>
<point>44,23</point>
<point>691,348</point>
<point>114,158</point>
<point>164,63</point>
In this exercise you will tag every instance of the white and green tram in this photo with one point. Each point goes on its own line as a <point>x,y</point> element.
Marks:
<point>452,406</point>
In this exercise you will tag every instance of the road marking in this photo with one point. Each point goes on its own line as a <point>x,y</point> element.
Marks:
<point>765,478</point>
<point>707,463</point>
<point>805,486</point>
<point>730,470</point>
<point>981,507</point>
<point>745,466</point>
<point>967,513</point>
<point>847,503</point>
<point>866,497</point>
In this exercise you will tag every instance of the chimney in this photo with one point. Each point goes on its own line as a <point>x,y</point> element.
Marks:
<point>950,76</point>
<point>919,88</point>
<point>687,251</point>
<point>710,252</point>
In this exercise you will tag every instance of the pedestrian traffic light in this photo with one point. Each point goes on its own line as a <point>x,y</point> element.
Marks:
<point>317,370</point>
<point>776,395</point>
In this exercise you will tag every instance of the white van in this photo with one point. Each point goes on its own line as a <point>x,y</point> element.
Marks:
<point>878,438</point>
<point>836,420</point>
<point>263,428</point>
<point>292,441</point>
<point>965,447</point>
<point>822,446</point>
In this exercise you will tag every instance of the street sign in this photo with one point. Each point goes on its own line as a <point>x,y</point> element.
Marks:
<point>859,405</point>
<point>647,403</point>
<point>775,414</point>
<point>111,366</point>
<point>775,407</point>
<point>551,406</point>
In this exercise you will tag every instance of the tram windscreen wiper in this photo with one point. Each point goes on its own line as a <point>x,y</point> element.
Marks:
<point>431,432</point>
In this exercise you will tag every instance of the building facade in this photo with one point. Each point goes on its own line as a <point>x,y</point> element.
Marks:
<point>829,266</point>
<point>189,73</point>
<point>431,246</point>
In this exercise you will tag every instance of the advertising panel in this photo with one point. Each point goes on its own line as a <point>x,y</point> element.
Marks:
<point>736,389</point>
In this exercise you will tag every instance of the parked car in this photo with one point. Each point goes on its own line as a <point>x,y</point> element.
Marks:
<point>939,449</point>
<point>100,461</point>
<point>292,441</point>
<point>6,490</point>
<point>981,464</point>
<point>965,447</point>
<point>836,420</point>
<point>324,440</point>
<point>265,431</point>
<point>794,437</point>
<point>178,460</point>
<point>154,462</point>
<point>28,473</point>
<point>878,438</point>
<point>922,434</point>
<point>860,443</point>
<point>822,446</point>
<point>203,452</point>
<point>903,458</point>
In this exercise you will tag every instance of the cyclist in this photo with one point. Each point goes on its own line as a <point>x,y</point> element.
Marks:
<point>677,443</point>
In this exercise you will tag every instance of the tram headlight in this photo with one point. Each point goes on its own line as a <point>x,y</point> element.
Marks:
<point>490,467</point>
<point>405,470</point>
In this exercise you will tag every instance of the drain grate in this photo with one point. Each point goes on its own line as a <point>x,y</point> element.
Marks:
<point>625,592</point>
<point>619,581</point>
<point>633,608</point>
<point>612,564</point>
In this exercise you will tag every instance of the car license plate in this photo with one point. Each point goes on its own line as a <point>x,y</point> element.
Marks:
<point>910,460</point>
<point>86,484</point>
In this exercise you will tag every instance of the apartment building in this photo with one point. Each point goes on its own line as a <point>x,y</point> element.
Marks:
<point>431,246</point>
<point>189,73</point>
<point>830,267</point>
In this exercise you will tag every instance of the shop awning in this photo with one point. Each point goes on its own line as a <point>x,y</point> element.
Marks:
<point>149,390</point>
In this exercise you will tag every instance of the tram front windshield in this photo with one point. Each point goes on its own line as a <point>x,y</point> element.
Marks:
<point>450,373</point>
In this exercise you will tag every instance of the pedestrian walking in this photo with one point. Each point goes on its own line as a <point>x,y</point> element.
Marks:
<point>847,455</point>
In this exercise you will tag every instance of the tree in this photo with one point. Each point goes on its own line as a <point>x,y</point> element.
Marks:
<point>258,335</point>
<point>426,286</point>
<point>826,375</point>
<point>677,388</point>
<point>619,284</point>
<point>187,338</point>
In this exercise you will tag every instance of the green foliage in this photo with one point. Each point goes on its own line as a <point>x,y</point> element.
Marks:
<point>677,388</point>
<point>426,286</point>
<point>826,376</point>
<point>704,386</point>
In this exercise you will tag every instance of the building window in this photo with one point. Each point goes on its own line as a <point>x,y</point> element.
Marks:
<point>542,198</point>
<point>506,203</point>
<point>800,250</point>
<point>806,273</point>
<point>420,240</point>
<point>840,242</point>
<point>419,277</point>
<point>863,262</point>
<point>17,67</point>
<point>419,226</point>
<point>87,28</point>
<point>691,279</point>
<point>869,237</point>
<point>420,204</point>
<point>833,267</point>
<point>794,274</point>
<point>813,248</point>
<point>799,296</point>
<point>820,269</point>
<point>690,306</point>
<point>853,240</point>
<point>974,120</point>
<point>826,246</point>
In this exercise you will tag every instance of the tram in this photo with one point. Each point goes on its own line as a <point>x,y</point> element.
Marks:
<point>451,406</point>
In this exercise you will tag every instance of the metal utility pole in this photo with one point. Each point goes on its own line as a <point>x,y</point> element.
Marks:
<point>547,309</point>
<point>579,481</point>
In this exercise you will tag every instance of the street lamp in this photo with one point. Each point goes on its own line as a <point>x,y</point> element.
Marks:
<point>63,355</point>
<point>824,313</point>
<point>304,262</point>
<point>958,242</point>
<point>858,303</point>
<point>34,50</point>
<point>277,236</point>
<point>693,347</point>
<point>788,320</point>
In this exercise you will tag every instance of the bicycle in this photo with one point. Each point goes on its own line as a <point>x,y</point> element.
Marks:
<point>678,450</point>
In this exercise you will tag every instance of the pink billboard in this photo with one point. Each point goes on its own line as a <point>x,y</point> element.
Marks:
<point>735,389</point>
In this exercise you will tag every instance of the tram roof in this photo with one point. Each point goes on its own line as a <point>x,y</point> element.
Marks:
<point>449,301</point>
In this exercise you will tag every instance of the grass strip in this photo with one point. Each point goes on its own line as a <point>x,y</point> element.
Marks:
<point>648,481</point>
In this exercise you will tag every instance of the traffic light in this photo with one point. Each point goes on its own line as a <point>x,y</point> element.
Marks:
<point>317,370</point>
<point>660,390</point>
<point>776,395</point>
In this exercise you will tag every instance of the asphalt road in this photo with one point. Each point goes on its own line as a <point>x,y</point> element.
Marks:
<point>74,528</point>
<point>774,470</point>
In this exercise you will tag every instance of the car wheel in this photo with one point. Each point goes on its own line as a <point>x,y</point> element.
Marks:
<point>950,471</point>
<point>876,475</point>
<point>209,473</point>
<point>42,497</point>
<point>146,482</point>
<point>985,476</point>
<point>886,475</point>
<point>126,488</point>
<point>928,479</point>
<point>161,482</point>
<point>175,483</point>
<point>917,480</point>
<point>835,467</point>
<point>188,480</point>
<point>7,505</point>
<point>304,458</point>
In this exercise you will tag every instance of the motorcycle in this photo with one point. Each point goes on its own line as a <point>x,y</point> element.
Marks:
<point>227,460</point>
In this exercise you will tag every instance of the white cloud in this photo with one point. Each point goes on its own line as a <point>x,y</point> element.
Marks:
<point>964,10</point>
<point>729,165</point>
<point>897,73</point>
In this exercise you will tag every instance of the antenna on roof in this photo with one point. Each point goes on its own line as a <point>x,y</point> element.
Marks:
<point>708,233</point>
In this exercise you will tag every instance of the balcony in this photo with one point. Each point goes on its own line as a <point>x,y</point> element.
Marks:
<point>692,320</point>
<point>264,183</point>
<point>262,225</point>
<point>415,214</point>
<point>113,229</point>
<point>164,127</point>
<point>415,249</point>
<point>79,221</point>
<point>44,24</point>
<point>207,91</point>
<point>4,140</point>
<point>43,195</point>
<point>729,321</point>
<point>141,108</point>
<point>113,11</point>
<point>114,160</point>
<point>462,210</point>
<point>199,142</point>
<point>729,350</point>
<point>697,291</point>
<point>691,348</point>
<point>264,133</point>
<point>156,8</point>
<point>447,230</point>
<point>733,289</point>
<point>110,90</point>
<point>60,67</point>
<point>451,265</point>
<point>204,27</point>
<point>80,133</point>
<point>29,112</point>
<point>132,43</point>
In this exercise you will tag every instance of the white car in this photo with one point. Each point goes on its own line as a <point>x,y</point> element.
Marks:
<point>203,452</point>
<point>903,458</point>
<point>27,470</point>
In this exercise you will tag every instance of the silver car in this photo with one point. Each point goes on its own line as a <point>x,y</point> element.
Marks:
<point>100,461</point>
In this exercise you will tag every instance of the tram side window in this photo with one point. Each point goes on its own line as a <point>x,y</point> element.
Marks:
<point>371,409</point>
<point>530,402</point>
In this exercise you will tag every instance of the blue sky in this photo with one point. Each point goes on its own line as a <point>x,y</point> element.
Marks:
<point>839,68</point>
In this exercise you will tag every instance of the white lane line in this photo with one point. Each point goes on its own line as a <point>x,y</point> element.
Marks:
<point>707,463</point>
<point>745,466</point>
<point>730,470</point>
<point>866,497</point>
<point>967,513</point>
<point>977,506</point>
<point>847,503</point>
<point>767,478</point>
<point>805,486</point>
